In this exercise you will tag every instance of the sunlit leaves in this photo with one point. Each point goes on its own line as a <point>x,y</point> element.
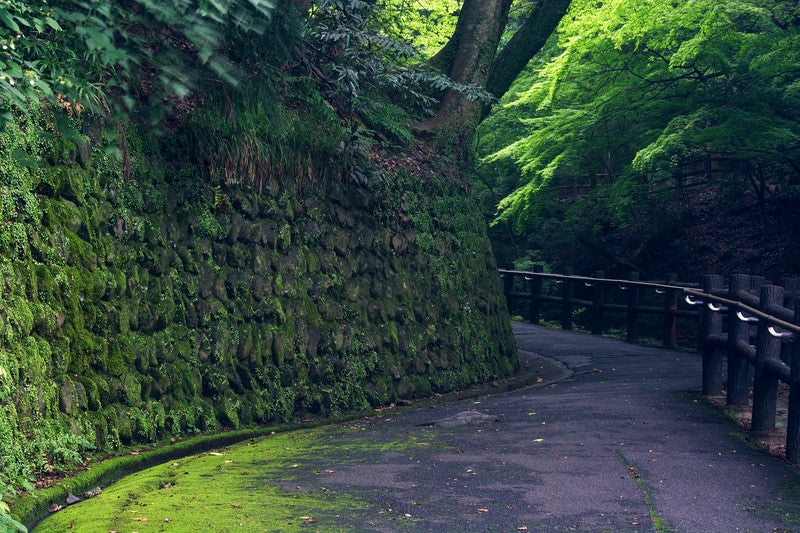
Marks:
<point>426,23</point>
<point>634,89</point>
<point>355,59</point>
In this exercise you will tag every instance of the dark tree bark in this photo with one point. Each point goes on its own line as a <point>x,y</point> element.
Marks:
<point>470,57</point>
<point>525,44</point>
<point>466,59</point>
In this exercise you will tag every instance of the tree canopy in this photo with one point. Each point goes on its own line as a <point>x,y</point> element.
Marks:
<point>106,56</point>
<point>628,102</point>
<point>635,100</point>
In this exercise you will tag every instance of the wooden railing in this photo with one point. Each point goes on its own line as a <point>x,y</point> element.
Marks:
<point>749,323</point>
<point>601,302</point>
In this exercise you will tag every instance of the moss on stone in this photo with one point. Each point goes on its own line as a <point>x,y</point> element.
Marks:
<point>323,299</point>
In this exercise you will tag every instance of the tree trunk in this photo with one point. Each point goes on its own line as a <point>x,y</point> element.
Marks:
<point>467,59</point>
<point>470,57</point>
<point>525,44</point>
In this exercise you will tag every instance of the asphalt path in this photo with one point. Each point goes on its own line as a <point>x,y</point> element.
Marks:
<point>614,437</point>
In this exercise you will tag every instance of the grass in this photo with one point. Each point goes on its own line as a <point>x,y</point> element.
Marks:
<point>33,506</point>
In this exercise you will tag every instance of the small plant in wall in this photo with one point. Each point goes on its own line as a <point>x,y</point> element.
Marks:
<point>207,226</point>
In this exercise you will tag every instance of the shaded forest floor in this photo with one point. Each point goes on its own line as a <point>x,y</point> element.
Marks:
<point>726,235</point>
<point>712,228</point>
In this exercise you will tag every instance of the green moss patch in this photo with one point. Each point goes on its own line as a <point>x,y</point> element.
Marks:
<point>247,486</point>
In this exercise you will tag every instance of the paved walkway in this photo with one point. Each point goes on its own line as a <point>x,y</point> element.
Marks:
<point>616,439</point>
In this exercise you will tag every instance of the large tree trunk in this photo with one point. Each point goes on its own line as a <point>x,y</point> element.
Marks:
<point>467,59</point>
<point>470,57</point>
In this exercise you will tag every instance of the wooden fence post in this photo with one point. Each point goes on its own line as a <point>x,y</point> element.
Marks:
<point>765,384</point>
<point>508,286</point>
<point>711,326</point>
<point>633,309</point>
<point>597,303</point>
<point>738,330</point>
<point>567,289</point>
<point>790,302</point>
<point>670,313</point>
<point>793,422</point>
<point>535,289</point>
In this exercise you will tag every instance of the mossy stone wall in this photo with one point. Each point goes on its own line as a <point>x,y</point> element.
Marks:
<point>134,309</point>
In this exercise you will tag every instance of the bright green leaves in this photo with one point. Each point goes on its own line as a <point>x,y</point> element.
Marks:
<point>635,89</point>
<point>8,19</point>
<point>426,23</point>
<point>20,79</point>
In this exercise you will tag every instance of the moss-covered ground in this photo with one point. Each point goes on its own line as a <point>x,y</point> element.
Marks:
<point>244,487</point>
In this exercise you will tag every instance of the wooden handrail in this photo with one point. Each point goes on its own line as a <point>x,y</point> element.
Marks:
<point>600,285</point>
<point>713,306</point>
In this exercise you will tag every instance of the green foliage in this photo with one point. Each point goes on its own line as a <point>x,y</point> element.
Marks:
<point>207,226</point>
<point>358,59</point>
<point>354,55</point>
<point>103,55</point>
<point>255,136</point>
<point>390,120</point>
<point>20,175</point>
<point>426,23</point>
<point>115,319</point>
<point>629,97</point>
<point>8,523</point>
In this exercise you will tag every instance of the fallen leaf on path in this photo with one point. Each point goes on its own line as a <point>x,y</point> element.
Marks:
<point>483,510</point>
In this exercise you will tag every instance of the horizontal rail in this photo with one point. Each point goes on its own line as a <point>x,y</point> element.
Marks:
<point>600,287</point>
<point>606,281</point>
<point>754,311</point>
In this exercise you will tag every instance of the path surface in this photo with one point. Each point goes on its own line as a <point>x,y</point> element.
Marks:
<point>615,439</point>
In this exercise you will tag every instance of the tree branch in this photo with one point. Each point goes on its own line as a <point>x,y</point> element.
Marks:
<point>525,44</point>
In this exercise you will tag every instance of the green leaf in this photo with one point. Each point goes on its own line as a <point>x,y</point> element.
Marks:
<point>6,19</point>
<point>25,159</point>
<point>11,524</point>
<point>53,23</point>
